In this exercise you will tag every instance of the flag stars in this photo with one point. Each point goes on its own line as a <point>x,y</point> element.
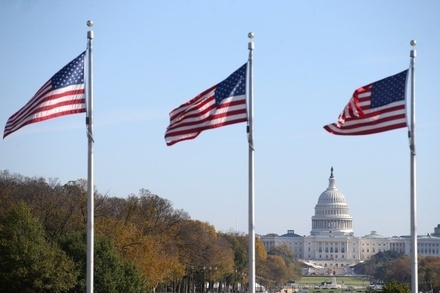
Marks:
<point>388,90</point>
<point>234,85</point>
<point>72,73</point>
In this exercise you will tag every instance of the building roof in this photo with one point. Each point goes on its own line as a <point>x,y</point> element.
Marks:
<point>290,233</point>
<point>373,235</point>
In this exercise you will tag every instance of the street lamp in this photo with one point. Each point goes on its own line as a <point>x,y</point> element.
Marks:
<point>203,283</point>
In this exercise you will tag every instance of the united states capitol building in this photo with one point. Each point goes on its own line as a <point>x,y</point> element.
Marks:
<point>332,247</point>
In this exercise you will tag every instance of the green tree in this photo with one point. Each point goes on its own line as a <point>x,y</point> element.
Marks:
<point>238,244</point>
<point>28,263</point>
<point>395,287</point>
<point>112,273</point>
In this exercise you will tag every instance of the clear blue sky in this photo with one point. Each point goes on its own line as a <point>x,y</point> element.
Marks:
<point>151,56</point>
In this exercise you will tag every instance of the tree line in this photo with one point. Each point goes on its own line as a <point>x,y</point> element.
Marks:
<point>392,267</point>
<point>142,244</point>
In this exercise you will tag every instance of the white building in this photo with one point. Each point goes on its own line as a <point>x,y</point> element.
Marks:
<point>332,247</point>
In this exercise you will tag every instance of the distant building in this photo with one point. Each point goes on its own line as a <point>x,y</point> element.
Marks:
<point>332,248</point>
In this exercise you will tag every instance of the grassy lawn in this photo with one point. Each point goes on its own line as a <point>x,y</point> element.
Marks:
<point>358,283</point>
<point>343,280</point>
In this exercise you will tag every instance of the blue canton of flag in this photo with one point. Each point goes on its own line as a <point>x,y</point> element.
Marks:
<point>72,73</point>
<point>234,85</point>
<point>388,90</point>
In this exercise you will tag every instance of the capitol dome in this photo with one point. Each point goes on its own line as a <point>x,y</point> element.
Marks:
<point>331,213</point>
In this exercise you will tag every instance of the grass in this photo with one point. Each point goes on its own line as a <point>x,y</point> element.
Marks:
<point>359,283</point>
<point>343,280</point>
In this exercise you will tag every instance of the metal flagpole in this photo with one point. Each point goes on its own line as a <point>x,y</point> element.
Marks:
<point>251,172</point>
<point>412,146</point>
<point>90,183</point>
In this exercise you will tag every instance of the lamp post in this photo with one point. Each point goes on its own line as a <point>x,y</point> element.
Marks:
<point>191,280</point>
<point>234,280</point>
<point>203,282</point>
<point>210,280</point>
<point>242,287</point>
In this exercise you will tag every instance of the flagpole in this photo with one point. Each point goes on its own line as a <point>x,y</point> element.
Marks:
<point>90,183</point>
<point>414,266</point>
<point>251,172</point>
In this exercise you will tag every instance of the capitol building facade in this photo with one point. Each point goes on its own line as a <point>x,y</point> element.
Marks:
<point>332,247</point>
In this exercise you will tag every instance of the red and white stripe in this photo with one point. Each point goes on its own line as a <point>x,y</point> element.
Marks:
<point>46,104</point>
<point>202,113</point>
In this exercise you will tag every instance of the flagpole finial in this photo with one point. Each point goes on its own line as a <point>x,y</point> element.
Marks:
<point>90,32</point>
<point>251,35</point>
<point>413,51</point>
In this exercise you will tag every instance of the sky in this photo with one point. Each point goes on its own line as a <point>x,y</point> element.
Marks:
<point>309,57</point>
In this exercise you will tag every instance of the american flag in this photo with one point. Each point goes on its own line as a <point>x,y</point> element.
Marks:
<point>374,108</point>
<point>62,95</point>
<point>220,105</point>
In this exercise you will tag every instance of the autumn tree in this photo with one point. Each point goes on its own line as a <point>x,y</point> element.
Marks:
<point>292,265</point>
<point>379,265</point>
<point>397,269</point>
<point>429,274</point>
<point>150,244</point>
<point>149,212</point>
<point>8,185</point>
<point>275,271</point>
<point>261,258</point>
<point>59,208</point>
<point>151,223</point>
<point>154,260</point>
<point>203,254</point>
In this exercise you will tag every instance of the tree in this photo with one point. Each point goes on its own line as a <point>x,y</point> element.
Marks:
<point>395,287</point>
<point>202,252</point>
<point>429,274</point>
<point>276,272</point>
<point>292,266</point>
<point>149,212</point>
<point>152,256</point>
<point>397,269</point>
<point>140,241</point>
<point>239,246</point>
<point>60,209</point>
<point>379,264</point>
<point>28,263</point>
<point>143,230</point>
<point>112,273</point>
